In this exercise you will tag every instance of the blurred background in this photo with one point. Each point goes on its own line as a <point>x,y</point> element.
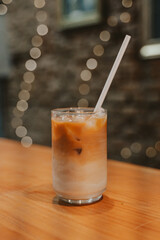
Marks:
<point>58,53</point>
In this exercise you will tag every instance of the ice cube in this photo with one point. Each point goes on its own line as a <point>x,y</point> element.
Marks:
<point>66,118</point>
<point>99,115</point>
<point>91,122</point>
<point>79,118</point>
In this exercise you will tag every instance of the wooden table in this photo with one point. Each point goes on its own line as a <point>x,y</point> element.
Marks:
<point>130,208</point>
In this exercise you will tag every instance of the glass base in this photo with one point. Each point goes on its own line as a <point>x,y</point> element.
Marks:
<point>80,202</point>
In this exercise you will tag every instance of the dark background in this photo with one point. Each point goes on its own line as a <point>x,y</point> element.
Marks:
<point>134,97</point>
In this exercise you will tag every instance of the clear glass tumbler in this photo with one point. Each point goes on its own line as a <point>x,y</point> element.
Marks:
<point>79,144</point>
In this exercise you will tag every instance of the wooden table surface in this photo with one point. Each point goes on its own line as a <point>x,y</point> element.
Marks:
<point>130,208</point>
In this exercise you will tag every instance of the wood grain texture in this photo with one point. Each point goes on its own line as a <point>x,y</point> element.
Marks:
<point>129,210</point>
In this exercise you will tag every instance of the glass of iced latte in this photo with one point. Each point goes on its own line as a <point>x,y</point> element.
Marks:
<point>79,144</point>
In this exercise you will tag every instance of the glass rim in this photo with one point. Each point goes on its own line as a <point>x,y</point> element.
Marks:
<point>74,110</point>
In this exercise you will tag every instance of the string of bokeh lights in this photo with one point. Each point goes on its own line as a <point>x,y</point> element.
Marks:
<point>92,63</point>
<point>98,51</point>
<point>86,74</point>
<point>30,66</point>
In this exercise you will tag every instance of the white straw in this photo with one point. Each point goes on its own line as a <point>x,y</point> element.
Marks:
<point>112,72</point>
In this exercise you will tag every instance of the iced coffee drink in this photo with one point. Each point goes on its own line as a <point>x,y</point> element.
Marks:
<point>79,143</point>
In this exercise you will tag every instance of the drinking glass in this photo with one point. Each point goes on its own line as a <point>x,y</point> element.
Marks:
<point>79,150</point>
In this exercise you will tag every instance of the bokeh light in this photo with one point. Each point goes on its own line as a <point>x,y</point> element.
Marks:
<point>86,75</point>
<point>17,113</point>
<point>83,102</point>
<point>125,17</point>
<point>42,29</point>
<point>28,77</point>
<point>39,3</point>
<point>157,146</point>
<point>151,152</point>
<point>22,105</point>
<point>16,122</point>
<point>35,52</point>
<point>21,131</point>
<point>25,86</point>
<point>91,63</point>
<point>112,21</point>
<point>41,16</point>
<point>126,153</point>
<point>84,89</point>
<point>127,3</point>
<point>30,65</point>
<point>105,36</point>
<point>7,1</point>
<point>26,141</point>
<point>136,147</point>
<point>3,9</point>
<point>98,50</point>
<point>37,41</point>
<point>24,95</point>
